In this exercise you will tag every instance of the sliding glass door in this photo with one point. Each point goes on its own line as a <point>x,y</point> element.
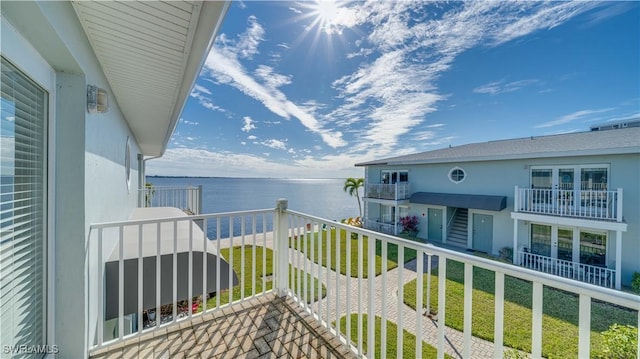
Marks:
<point>569,244</point>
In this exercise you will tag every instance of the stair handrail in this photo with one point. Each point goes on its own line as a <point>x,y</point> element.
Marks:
<point>453,215</point>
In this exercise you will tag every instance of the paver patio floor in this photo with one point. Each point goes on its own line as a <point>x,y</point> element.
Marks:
<point>263,327</point>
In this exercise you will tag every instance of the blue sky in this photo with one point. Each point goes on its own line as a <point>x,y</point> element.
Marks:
<point>308,89</point>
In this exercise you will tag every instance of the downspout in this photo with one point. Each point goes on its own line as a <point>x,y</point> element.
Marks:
<point>142,176</point>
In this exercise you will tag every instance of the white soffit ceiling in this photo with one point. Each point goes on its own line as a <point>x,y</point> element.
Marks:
<point>151,53</point>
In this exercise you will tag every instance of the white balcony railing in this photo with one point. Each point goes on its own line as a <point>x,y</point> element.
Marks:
<point>601,276</point>
<point>189,199</point>
<point>395,191</point>
<point>295,238</point>
<point>383,227</point>
<point>591,204</point>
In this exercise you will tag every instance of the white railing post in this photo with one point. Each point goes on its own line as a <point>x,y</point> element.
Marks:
<point>281,238</point>
<point>199,206</point>
<point>536,320</point>
<point>584,326</point>
<point>619,205</point>
<point>515,241</point>
<point>498,330</point>
<point>516,201</point>
<point>617,276</point>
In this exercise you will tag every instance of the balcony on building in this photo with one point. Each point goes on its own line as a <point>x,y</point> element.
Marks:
<point>587,203</point>
<point>188,199</point>
<point>580,220</point>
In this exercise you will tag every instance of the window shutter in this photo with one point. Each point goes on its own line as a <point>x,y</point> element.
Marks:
<point>23,121</point>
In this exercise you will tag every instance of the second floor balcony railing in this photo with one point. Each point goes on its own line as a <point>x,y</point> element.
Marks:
<point>396,191</point>
<point>331,270</point>
<point>381,226</point>
<point>188,199</point>
<point>601,276</point>
<point>590,204</point>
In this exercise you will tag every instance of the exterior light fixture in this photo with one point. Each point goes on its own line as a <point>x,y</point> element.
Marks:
<point>97,99</point>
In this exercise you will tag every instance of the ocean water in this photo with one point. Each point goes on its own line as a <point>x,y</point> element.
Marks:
<point>319,197</point>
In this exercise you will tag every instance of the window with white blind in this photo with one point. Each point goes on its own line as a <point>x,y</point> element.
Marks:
<point>23,245</point>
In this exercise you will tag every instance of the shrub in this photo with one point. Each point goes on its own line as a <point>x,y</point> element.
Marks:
<point>409,225</point>
<point>635,282</point>
<point>619,342</point>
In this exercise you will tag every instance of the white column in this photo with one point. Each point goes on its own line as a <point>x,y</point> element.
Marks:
<point>516,260</point>
<point>141,179</point>
<point>576,249</point>
<point>619,207</point>
<point>554,242</point>
<point>397,216</point>
<point>618,259</point>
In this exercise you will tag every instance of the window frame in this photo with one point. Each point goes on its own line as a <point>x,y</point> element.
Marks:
<point>17,50</point>
<point>456,169</point>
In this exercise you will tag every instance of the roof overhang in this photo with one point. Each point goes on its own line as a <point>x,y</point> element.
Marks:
<point>151,53</point>
<point>506,157</point>
<point>571,221</point>
<point>472,201</point>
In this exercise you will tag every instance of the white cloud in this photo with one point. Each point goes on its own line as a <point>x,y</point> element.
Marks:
<point>270,78</point>
<point>498,87</point>
<point>275,144</point>
<point>543,16</point>
<point>223,65</point>
<point>202,94</point>
<point>201,162</point>
<point>248,124</point>
<point>388,97</point>
<point>424,135</point>
<point>201,89</point>
<point>190,123</point>
<point>247,45</point>
<point>394,92</point>
<point>578,115</point>
<point>610,11</point>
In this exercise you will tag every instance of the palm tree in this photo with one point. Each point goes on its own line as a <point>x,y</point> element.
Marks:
<point>351,186</point>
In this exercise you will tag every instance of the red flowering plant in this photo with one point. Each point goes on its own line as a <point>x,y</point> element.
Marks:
<point>409,225</point>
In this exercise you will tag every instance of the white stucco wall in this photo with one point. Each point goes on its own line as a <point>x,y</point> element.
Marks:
<point>88,150</point>
<point>501,177</point>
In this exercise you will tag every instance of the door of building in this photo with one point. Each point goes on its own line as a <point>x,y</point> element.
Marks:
<point>482,232</point>
<point>434,227</point>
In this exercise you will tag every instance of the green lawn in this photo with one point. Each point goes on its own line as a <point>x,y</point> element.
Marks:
<point>560,335</point>
<point>248,279</point>
<point>409,340</point>
<point>330,236</point>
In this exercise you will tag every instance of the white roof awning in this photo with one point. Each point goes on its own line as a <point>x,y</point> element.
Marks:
<point>151,53</point>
